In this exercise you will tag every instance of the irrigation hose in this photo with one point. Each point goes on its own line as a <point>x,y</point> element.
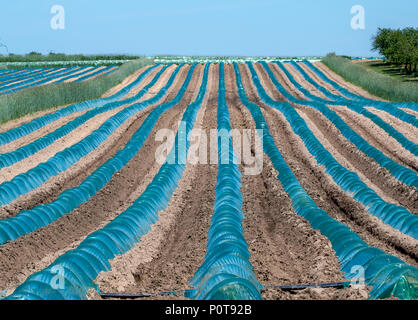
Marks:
<point>336,285</point>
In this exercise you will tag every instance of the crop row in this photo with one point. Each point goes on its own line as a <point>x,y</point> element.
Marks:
<point>396,216</point>
<point>37,123</point>
<point>226,273</point>
<point>28,181</point>
<point>29,220</point>
<point>403,174</point>
<point>386,274</point>
<point>378,104</point>
<point>28,79</point>
<point>8,159</point>
<point>82,265</point>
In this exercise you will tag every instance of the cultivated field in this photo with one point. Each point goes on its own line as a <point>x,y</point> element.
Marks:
<point>85,208</point>
<point>17,79</point>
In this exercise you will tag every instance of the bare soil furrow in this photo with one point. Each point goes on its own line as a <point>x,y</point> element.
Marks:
<point>85,166</point>
<point>36,250</point>
<point>326,194</point>
<point>167,256</point>
<point>375,176</point>
<point>284,248</point>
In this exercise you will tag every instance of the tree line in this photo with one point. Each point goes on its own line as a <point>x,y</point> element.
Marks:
<point>398,46</point>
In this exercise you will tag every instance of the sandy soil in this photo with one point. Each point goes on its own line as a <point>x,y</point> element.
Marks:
<point>35,251</point>
<point>18,122</point>
<point>408,130</point>
<point>377,137</point>
<point>327,195</point>
<point>284,249</point>
<point>340,80</point>
<point>156,263</point>
<point>411,112</point>
<point>62,121</point>
<point>375,176</point>
<point>70,139</point>
<point>87,164</point>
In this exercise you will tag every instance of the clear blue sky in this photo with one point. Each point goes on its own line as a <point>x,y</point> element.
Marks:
<point>200,27</point>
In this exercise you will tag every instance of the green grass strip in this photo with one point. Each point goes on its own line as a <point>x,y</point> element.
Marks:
<point>378,84</point>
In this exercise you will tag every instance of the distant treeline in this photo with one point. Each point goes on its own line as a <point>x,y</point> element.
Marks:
<point>35,56</point>
<point>399,46</point>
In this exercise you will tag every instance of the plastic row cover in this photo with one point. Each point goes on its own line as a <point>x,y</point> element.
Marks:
<point>360,109</point>
<point>39,79</point>
<point>27,80</point>
<point>79,267</point>
<point>82,74</point>
<point>8,159</point>
<point>388,105</point>
<point>78,74</point>
<point>403,174</point>
<point>386,274</point>
<point>16,76</point>
<point>396,216</point>
<point>30,220</point>
<point>226,273</point>
<point>5,74</point>
<point>102,73</point>
<point>27,128</point>
<point>30,180</point>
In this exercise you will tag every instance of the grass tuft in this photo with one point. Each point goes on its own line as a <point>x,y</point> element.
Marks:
<point>376,83</point>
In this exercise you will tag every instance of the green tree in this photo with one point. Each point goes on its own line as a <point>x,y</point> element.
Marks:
<point>399,47</point>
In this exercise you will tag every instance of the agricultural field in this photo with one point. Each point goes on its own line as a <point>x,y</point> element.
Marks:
<point>13,80</point>
<point>307,189</point>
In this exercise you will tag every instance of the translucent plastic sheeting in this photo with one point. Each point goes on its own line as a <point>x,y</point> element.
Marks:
<point>78,75</point>
<point>38,80</point>
<point>403,174</point>
<point>27,128</point>
<point>349,94</point>
<point>396,216</point>
<point>359,108</point>
<point>24,81</point>
<point>102,73</point>
<point>226,273</point>
<point>339,100</point>
<point>30,220</point>
<point>4,84</point>
<point>79,267</point>
<point>16,76</point>
<point>386,274</point>
<point>8,159</point>
<point>7,73</point>
<point>35,177</point>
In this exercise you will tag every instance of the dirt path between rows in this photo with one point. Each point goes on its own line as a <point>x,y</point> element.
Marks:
<point>64,120</point>
<point>168,255</point>
<point>349,86</point>
<point>285,250</point>
<point>37,250</point>
<point>407,130</point>
<point>66,141</point>
<point>27,118</point>
<point>320,186</point>
<point>377,137</point>
<point>85,166</point>
<point>346,153</point>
